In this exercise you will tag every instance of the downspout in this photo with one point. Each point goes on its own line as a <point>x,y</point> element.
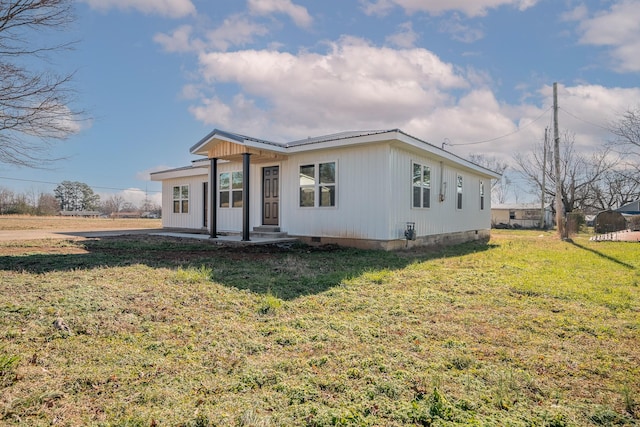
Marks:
<point>443,185</point>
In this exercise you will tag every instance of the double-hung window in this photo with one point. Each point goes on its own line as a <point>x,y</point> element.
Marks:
<point>318,185</point>
<point>421,186</point>
<point>181,199</point>
<point>481,195</point>
<point>459,192</point>
<point>230,189</point>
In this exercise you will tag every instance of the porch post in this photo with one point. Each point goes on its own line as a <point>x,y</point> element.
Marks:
<point>245,196</point>
<point>213,200</point>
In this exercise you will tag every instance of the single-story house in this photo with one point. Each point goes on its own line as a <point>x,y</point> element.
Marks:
<point>520,215</point>
<point>376,189</point>
<point>631,213</point>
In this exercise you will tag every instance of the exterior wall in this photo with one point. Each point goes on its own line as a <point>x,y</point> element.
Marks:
<point>191,220</point>
<point>442,217</point>
<point>362,194</point>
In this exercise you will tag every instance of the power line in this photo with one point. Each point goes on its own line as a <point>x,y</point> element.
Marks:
<point>504,136</point>
<point>583,120</point>
<point>57,183</point>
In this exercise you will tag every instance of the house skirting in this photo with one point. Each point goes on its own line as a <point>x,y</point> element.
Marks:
<point>433,241</point>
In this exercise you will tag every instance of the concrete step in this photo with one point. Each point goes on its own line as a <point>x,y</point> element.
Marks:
<point>267,229</point>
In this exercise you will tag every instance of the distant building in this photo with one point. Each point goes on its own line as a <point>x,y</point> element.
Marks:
<point>520,215</point>
<point>86,214</point>
<point>632,208</point>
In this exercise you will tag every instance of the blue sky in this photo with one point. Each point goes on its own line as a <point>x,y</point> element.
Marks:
<point>157,75</point>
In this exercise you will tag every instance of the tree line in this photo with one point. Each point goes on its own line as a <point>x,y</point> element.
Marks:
<point>69,196</point>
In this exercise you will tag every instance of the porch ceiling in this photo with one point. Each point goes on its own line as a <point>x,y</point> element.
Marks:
<point>225,150</point>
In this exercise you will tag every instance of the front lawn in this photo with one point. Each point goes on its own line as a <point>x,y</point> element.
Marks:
<point>524,331</point>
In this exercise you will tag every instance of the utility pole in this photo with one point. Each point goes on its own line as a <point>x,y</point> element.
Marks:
<point>556,154</point>
<point>544,178</point>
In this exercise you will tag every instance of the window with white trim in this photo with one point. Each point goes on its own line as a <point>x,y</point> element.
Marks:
<point>459,191</point>
<point>317,185</point>
<point>421,186</point>
<point>481,195</point>
<point>230,189</point>
<point>181,199</point>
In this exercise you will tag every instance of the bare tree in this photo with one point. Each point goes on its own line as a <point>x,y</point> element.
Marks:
<point>6,200</point>
<point>579,172</point>
<point>627,132</point>
<point>35,103</point>
<point>499,187</point>
<point>47,205</point>
<point>616,188</point>
<point>113,204</point>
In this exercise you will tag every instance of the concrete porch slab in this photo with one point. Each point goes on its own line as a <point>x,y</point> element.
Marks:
<point>235,240</point>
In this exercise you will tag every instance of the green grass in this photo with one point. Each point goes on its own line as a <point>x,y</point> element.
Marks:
<point>525,331</point>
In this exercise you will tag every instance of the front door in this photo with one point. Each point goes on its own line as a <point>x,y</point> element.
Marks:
<point>270,195</point>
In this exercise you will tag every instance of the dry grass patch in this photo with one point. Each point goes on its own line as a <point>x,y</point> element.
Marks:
<point>27,222</point>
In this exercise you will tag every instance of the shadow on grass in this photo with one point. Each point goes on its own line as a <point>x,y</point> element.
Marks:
<point>603,255</point>
<point>285,271</point>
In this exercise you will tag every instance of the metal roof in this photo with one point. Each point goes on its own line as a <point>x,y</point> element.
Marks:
<point>247,140</point>
<point>336,137</point>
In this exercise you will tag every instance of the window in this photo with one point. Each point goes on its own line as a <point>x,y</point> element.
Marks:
<point>421,185</point>
<point>512,214</point>
<point>181,199</point>
<point>230,189</point>
<point>459,190</point>
<point>481,195</point>
<point>318,185</point>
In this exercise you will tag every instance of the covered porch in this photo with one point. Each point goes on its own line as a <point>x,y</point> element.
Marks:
<point>222,146</point>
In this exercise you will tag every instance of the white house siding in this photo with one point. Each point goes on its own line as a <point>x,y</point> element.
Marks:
<point>362,190</point>
<point>442,217</point>
<point>230,219</point>
<point>191,220</point>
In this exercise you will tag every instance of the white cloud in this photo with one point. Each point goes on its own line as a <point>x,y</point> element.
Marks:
<point>379,7</point>
<point>170,8</point>
<point>298,14</point>
<point>179,40</point>
<point>460,31</point>
<point>436,7</point>
<point>618,28</point>
<point>405,37</point>
<point>353,85</point>
<point>236,30</point>
<point>356,86</point>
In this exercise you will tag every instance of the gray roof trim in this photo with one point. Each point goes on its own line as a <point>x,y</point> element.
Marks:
<point>195,166</point>
<point>234,137</point>
<point>451,156</point>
